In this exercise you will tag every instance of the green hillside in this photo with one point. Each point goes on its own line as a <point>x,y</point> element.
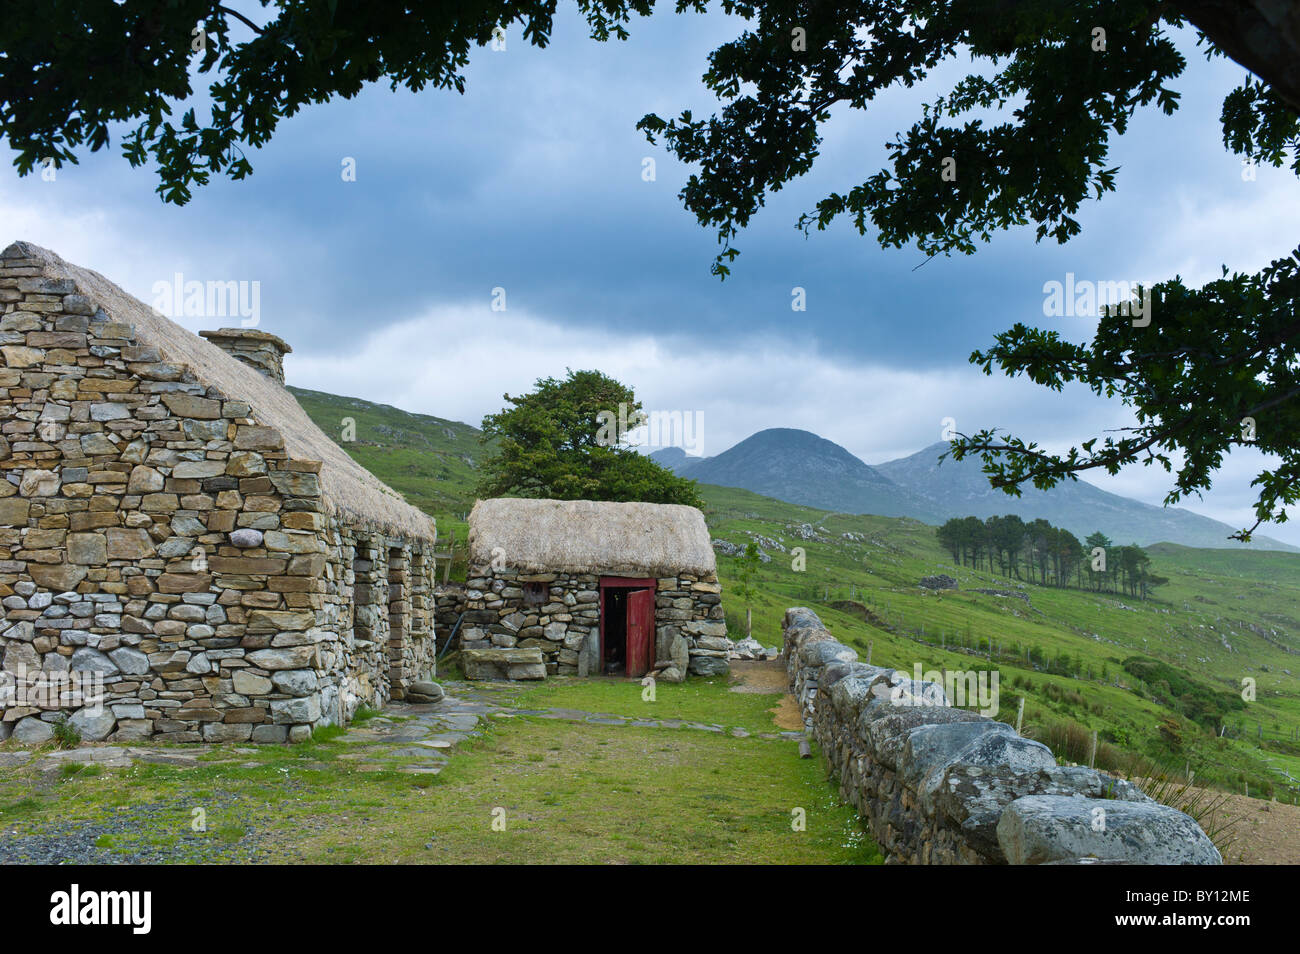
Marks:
<point>432,461</point>
<point>1223,617</point>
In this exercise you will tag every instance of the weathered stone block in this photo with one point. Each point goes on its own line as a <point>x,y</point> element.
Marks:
<point>191,405</point>
<point>295,711</point>
<point>289,657</point>
<point>87,549</point>
<point>1042,828</point>
<point>128,544</point>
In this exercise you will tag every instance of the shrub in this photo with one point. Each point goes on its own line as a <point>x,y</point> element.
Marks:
<point>66,734</point>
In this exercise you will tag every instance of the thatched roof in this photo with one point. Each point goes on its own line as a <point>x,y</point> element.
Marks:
<point>346,487</point>
<point>587,536</point>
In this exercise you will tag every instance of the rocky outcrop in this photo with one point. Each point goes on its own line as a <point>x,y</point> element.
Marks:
<point>940,785</point>
<point>940,581</point>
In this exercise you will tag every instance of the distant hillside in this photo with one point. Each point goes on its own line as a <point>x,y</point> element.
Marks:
<point>960,488</point>
<point>1222,615</point>
<point>676,459</point>
<point>800,467</point>
<point>432,461</point>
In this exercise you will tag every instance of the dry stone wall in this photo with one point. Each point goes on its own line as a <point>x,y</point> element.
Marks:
<point>157,540</point>
<point>940,785</point>
<point>690,627</point>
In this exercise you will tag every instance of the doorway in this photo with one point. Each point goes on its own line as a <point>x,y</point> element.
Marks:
<point>627,626</point>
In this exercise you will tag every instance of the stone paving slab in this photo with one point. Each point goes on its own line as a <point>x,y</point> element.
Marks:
<point>410,738</point>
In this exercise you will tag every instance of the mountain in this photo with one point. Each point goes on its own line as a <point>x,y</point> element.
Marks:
<point>800,467</point>
<point>676,459</point>
<point>960,488</point>
<point>434,462</point>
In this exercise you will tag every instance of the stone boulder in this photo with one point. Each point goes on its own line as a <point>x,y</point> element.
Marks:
<point>823,652</point>
<point>130,661</point>
<point>940,581</point>
<point>92,660</point>
<point>510,664</point>
<point>424,692</point>
<point>930,749</point>
<point>992,750</point>
<point>93,726</point>
<point>679,652</point>
<point>708,666</point>
<point>1037,829</point>
<point>886,732</point>
<point>974,796</point>
<point>849,694</point>
<point>32,731</point>
<point>901,692</point>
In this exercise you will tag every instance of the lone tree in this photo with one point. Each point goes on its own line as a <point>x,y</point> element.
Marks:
<point>562,442</point>
<point>1216,369</point>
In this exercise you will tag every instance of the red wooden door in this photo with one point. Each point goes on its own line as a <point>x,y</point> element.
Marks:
<point>640,632</point>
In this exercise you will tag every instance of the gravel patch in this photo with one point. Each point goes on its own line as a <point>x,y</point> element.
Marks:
<point>124,838</point>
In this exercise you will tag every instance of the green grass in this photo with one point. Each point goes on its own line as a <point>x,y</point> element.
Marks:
<point>700,700</point>
<point>568,792</point>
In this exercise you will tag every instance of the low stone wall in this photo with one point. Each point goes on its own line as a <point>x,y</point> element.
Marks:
<point>448,604</point>
<point>940,785</point>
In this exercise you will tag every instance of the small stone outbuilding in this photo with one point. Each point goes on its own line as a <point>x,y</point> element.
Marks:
<point>173,525</point>
<point>583,588</point>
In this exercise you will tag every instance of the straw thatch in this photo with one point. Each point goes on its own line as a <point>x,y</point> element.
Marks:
<point>587,536</point>
<point>346,487</point>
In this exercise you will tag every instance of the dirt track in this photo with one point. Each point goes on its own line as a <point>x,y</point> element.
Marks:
<point>768,676</point>
<point>1265,833</point>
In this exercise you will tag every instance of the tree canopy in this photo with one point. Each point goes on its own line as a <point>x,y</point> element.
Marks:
<point>1021,140</point>
<point>70,69</point>
<point>1214,368</point>
<point>562,441</point>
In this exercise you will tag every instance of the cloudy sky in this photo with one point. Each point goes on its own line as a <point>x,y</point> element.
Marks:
<point>532,183</point>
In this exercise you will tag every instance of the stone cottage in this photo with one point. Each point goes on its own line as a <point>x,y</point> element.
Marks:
<point>584,587</point>
<point>175,531</point>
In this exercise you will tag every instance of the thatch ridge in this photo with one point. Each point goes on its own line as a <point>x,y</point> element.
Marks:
<point>347,488</point>
<point>588,536</point>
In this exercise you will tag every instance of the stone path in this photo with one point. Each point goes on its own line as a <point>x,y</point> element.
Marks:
<point>414,739</point>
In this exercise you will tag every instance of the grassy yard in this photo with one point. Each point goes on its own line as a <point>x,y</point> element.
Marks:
<point>559,791</point>
<point>699,700</point>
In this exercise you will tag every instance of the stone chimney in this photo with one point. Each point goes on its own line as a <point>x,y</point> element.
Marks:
<point>258,349</point>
